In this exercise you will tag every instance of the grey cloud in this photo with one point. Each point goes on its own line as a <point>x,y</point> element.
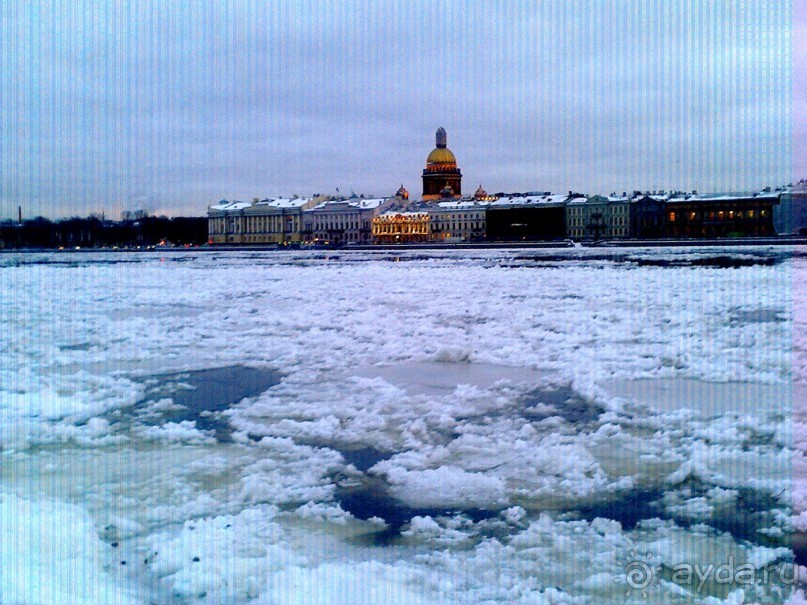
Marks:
<point>193,103</point>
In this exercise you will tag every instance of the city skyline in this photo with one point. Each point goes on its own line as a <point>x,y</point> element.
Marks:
<point>114,107</point>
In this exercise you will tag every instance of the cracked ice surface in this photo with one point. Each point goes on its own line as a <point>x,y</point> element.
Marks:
<point>369,427</point>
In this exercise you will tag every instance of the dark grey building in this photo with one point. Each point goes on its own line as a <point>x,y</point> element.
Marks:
<point>647,216</point>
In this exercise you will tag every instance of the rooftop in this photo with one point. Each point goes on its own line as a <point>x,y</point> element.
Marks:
<point>353,202</point>
<point>528,199</point>
<point>723,197</point>
<point>280,202</point>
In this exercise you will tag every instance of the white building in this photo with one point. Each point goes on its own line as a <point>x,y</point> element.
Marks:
<point>345,220</point>
<point>267,221</point>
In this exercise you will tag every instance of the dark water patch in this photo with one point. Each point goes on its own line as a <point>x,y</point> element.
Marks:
<point>528,266</point>
<point>372,498</point>
<point>629,510</point>
<point>741,517</point>
<point>562,401</point>
<point>363,458</point>
<point>718,262</point>
<point>71,262</point>
<point>358,257</point>
<point>572,257</point>
<point>799,546</point>
<point>201,395</point>
<point>559,401</point>
<point>215,389</point>
<point>407,258</point>
<point>739,317</point>
<point>81,346</point>
<point>744,517</point>
<point>729,262</point>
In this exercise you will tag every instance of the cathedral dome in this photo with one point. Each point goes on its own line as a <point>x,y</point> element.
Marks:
<point>441,155</point>
<point>441,170</point>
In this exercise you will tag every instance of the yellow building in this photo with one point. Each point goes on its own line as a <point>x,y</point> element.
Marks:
<point>401,227</point>
<point>458,221</point>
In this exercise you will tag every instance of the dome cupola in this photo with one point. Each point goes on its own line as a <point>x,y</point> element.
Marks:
<point>441,156</point>
<point>441,170</point>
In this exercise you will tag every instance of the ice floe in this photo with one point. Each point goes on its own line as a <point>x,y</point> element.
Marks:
<point>454,427</point>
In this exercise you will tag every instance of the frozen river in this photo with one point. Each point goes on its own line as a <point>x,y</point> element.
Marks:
<point>493,426</point>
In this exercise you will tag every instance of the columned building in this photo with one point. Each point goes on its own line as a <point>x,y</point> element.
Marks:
<point>458,220</point>
<point>268,221</point>
<point>441,175</point>
<point>340,221</point>
<point>401,227</point>
<point>721,215</point>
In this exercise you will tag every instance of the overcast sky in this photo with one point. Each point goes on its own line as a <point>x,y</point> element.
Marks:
<point>172,106</point>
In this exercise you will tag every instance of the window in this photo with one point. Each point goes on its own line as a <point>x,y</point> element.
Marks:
<point>672,217</point>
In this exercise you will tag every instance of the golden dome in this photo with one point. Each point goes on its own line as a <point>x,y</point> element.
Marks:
<point>441,155</point>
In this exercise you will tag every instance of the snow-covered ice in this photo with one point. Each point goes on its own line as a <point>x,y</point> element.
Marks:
<point>479,426</point>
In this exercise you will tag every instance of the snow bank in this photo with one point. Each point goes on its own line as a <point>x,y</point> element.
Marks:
<point>50,552</point>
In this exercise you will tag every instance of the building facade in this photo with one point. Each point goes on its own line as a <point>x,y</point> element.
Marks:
<point>441,176</point>
<point>601,217</point>
<point>527,217</point>
<point>339,221</point>
<point>267,221</point>
<point>458,221</point>
<point>721,216</point>
<point>647,216</point>
<point>790,215</point>
<point>576,218</point>
<point>401,227</point>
